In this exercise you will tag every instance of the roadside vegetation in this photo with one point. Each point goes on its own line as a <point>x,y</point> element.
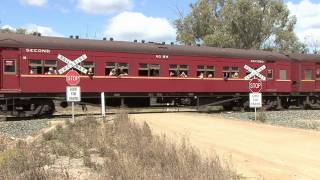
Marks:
<point>117,149</point>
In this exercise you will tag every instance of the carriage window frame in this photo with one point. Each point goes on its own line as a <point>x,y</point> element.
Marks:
<point>308,74</point>
<point>112,65</point>
<point>178,69</point>
<point>43,65</point>
<point>270,72</point>
<point>145,69</point>
<point>231,72</point>
<point>283,76</point>
<point>14,65</point>
<point>206,70</point>
<point>87,66</point>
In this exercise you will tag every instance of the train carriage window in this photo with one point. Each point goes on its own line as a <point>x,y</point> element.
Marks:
<point>149,69</point>
<point>124,68</point>
<point>283,74</point>
<point>90,66</point>
<point>43,66</point>
<point>183,70</point>
<point>230,72</point>
<point>201,71</point>
<point>109,67</point>
<point>269,73</point>
<point>173,70</point>
<point>36,67</point>
<point>318,74</point>
<point>9,66</point>
<point>178,70</point>
<point>50,67</point>
<point>210,71</point>
<point>205,71</point>
<point>308,74</point>
<point>116,69</point>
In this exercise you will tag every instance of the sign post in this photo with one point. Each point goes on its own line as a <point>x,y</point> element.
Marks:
<point>255,102</point>
<point>255,86</point>
<point>103,105</point>
<point>73,95</point>
<point>73,78</point>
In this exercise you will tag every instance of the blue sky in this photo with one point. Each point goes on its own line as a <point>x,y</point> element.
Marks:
<point>126,19</point>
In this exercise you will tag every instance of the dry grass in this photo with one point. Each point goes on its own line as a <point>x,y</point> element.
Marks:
<point>119,149</point>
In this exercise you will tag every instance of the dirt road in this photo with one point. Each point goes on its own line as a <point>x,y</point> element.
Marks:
<point>256,150</point>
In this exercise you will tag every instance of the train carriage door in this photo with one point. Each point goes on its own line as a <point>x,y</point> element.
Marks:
<point>317,72</point>
<point>270,75</point>
<point>10,73</point>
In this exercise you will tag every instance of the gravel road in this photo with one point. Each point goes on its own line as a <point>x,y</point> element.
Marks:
<point>257,150</point>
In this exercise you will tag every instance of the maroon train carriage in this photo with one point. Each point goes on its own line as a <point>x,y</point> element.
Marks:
<point>144,74</point>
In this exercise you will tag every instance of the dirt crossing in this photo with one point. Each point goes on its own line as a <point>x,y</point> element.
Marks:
<point>256,150</point>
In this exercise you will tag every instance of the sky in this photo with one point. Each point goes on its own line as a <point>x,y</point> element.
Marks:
<point>149,20</point>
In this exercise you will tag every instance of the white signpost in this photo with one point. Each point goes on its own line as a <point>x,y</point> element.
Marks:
<point>73,95</point>
<point>255,86</point>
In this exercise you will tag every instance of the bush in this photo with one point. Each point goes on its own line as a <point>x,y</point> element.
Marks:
<point>262,116</point>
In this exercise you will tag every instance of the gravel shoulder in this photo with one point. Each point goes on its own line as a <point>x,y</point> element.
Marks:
<point>256,150</point>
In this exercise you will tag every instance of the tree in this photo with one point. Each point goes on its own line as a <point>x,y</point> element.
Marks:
<point>18,31</point>
<point>245,24</point>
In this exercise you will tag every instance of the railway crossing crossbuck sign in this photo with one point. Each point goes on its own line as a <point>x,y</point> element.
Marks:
<point>255,72</point>
<point>72,64</point>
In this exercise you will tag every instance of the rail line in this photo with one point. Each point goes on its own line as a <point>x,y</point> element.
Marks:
<point>111,112</point>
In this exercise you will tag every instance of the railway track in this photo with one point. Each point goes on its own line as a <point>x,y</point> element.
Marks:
<point>110,112</point>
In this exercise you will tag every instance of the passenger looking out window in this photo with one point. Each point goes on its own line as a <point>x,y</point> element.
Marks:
<point>183,74</point>
<point>231,72</point>
<point>205,71</point>
<point>90,66</point>
<point>180,70</point>
<point>149,70</point>
<point>116,69</point>
<point>47,67</point>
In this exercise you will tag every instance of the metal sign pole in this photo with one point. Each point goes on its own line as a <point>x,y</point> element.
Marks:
<point>72,111</point>
<point>255,114</point>
<point>103,105</point>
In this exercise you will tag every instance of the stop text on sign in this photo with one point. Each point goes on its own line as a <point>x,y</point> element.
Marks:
<point>255,85</point>
<point>73,78</point>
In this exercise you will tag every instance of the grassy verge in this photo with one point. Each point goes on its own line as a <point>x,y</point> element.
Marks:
<point>119,149</point>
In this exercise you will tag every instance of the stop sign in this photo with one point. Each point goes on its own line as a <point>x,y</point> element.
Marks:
<point>73,78</point>
<point>255,85</point>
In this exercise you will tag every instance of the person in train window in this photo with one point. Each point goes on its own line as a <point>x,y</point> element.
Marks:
<point>225,75</point>
<point>210,75</point>
<point>112,72</point>
<point>122,72</point>
<point>183,74</point>
<point>172,74</point>
<point>51,71</point>
<point>201,75</point>
<point>31,71</point>
<point>236,75</point>
<point>90,72</point>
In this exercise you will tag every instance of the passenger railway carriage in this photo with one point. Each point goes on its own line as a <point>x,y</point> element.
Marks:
<point>151,74</point>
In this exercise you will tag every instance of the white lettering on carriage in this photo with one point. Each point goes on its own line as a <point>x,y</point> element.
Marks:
<point>28,50</point>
